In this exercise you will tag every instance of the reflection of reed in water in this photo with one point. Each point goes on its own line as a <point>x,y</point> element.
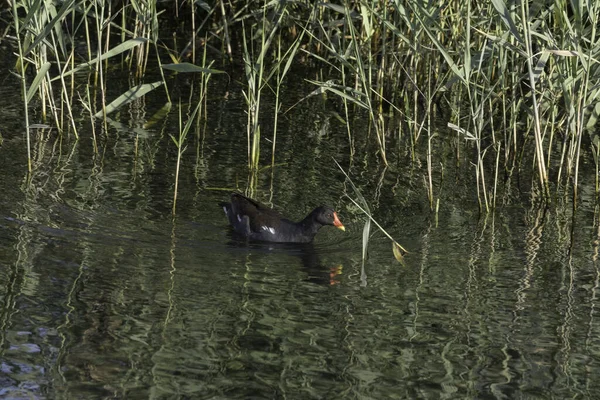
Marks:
<point>533,242</point>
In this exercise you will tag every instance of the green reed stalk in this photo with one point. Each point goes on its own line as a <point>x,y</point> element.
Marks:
<point>98,13</point>
<point>204,84</point>
<point>67,101</point>
<point>364,77</point>
<point>87,104</point>
<point>532,81</point>
<point>334,46</point>
<point>277,105</point>
<point>253,102</point>
<point>255,71</point>
<point>44,37</point>
<point>596,154</point>
<point>179,143</point>
<point>430,136</point>
<point>23,83</point>
<point>288,57</point>
<point>586,97</point>
<point>226,31</point>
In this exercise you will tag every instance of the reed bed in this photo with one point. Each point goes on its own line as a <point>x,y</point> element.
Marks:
<point>516,83</point>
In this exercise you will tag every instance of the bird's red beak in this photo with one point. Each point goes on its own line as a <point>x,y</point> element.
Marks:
<point>337,223</point>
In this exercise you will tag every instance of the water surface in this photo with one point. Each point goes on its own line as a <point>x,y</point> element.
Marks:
<point>105,294</point>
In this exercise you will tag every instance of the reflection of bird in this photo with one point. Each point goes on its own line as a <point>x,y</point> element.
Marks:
<point>317,272</point>
<point>259,222</point>
<point>268,253</point>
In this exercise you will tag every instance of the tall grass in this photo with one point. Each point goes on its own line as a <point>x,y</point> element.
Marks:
<point>22,76</point>
<point>518,82</point>
<point>524,73</point>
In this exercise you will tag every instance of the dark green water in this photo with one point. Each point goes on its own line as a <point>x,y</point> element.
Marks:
<point>104,294</point>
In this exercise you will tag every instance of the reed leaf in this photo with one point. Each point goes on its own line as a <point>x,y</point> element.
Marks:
<point>353,97</point>
<point>540,66</point>
<point>425,25</point>
<point>125,46</point>
<point>593,117</point>
<point>39,77</point>
<point>398,252</point>
<point>365,239</point>
<point>504,14</point>
<point>364,207</point>
<point>129,96</point>
<point>33,11</point>
<point>188,67</point>
<point>43,35</point>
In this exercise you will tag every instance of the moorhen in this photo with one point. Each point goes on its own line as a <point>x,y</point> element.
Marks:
<point>255,221</point>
